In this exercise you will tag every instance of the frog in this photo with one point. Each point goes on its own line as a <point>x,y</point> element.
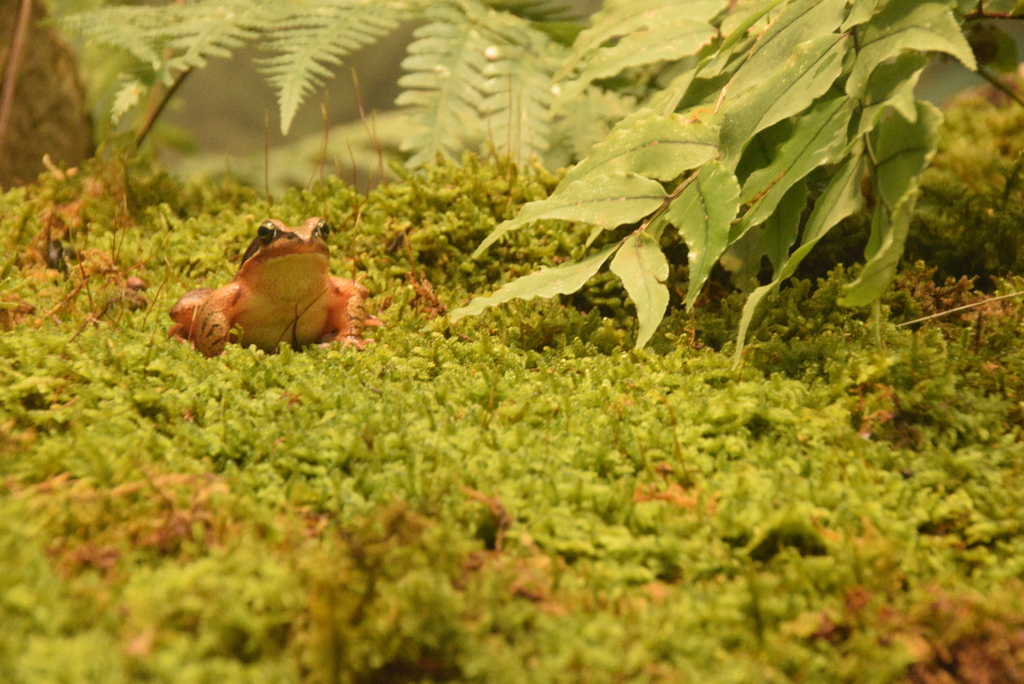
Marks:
<point>283,292</point>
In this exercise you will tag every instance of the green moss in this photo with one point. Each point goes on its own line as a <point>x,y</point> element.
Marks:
<point>515,493</point>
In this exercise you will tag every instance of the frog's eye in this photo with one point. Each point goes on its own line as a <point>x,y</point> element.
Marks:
<point>322,229</point>
<point>266,232</point>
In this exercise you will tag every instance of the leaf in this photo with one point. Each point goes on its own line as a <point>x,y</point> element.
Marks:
<point>307,42</point>
<point>891,229</point>
<point>799,22</point>
<point>661,147</point>
<point>771,239</point>
<point>818,137</point>
<point>993,48</point>
<point>127,97</point>
<point>790,89</point>
<point>614,201</point>
<point>643,268</point>
<point>1005,7</point>
<point>669,34</point>
<point>444,87</point>
<point>902,150</point>
<point>210,30</point>
<point>891,86</point>
<point>547,282</point>
<point>516,109</point>
<point>621,18</point>
<point>702,214</point>
<point>860,12</point>
<point>925,25</point>
<point>779,232</point>
<point>476,75</point>
<point>175,37</point>
<point>841,198</point>
<point>106,26</point>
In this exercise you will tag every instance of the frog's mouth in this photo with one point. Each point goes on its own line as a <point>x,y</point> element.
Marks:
<point>293,245</point>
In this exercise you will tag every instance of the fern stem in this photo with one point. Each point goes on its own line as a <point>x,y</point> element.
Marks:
<point>1000,85</point>
<point>959,308</point>
<point>154,112</point>
<point>11,74</point>
<point>669,199</point>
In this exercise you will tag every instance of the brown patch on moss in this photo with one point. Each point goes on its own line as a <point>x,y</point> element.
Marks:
<point>878,414</point>
<point>13,310</point>
<point>692,499</point>
<point>168,514</point>
<point>959,638</point>
<point>950,638</point>
<point>929,297</point>
<point>530,577</point>
<point>425,301</point>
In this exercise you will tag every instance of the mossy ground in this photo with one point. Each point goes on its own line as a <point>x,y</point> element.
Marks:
<point>514,498</point>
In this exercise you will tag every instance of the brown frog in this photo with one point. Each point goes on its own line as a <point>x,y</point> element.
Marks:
<point>282,292</point>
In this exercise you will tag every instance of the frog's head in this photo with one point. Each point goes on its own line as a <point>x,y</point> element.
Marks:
<point>275,240</point>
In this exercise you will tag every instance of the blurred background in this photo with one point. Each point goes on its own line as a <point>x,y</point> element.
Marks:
<point>224,118</point>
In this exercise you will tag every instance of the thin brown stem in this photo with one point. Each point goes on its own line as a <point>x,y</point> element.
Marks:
<point>154,111</point>
<point>321,154</point>
<point>370,129</point>
<point>959,308</point>
<point>13,64</point>
<point>266,156</point>
<point>1000,85</point>
<point>669,199</point>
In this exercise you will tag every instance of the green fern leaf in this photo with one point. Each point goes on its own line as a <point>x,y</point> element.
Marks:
<point>444,86</point>
<point>645,33</point>
<point>642,267</point>
<point>200,30</point>
<point>475,75</point>
<point>546,283</point>
<point>517,106</point>
<point>127,97</point>
<point>173,38</point>
<point>841,198</point>
<point>107,26</point>
<point>622,18</point>
<point>309,40</point>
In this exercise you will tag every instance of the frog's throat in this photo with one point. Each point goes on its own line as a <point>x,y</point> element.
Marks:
<point>289,277</point>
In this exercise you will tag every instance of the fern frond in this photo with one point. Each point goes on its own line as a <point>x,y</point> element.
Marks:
<point>173,38</point>
<point>584,122</point>
<point>475,74</point>
<point>311,38</point>
<point>109,26</point>
<point>517,108</point>
<point>444,85</point>
<point>126,98</point>
<point>210,29</point>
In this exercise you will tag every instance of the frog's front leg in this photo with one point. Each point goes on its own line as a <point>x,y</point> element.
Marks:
<point>184,311</point>
<point>214,320</point>
<point>346,314</point>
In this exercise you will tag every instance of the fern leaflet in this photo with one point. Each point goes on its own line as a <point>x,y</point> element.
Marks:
<point>307,41</point>
<point>476,74</point>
